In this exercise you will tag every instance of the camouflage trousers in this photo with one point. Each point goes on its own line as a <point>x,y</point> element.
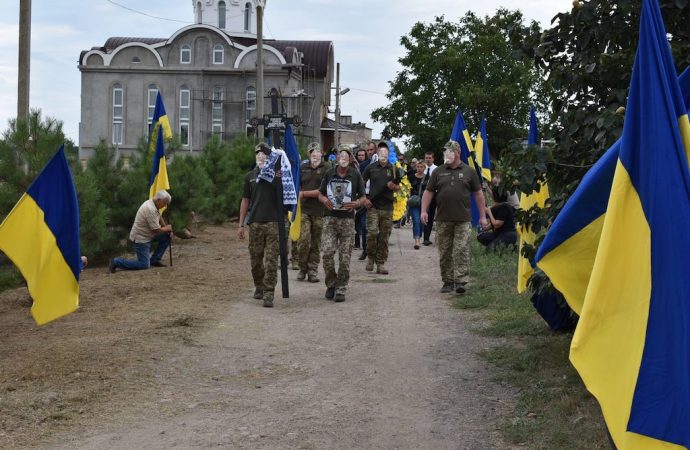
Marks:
<point>453,239</point>
<point>338,235</point>
<point>309,244</point>
<point>264,255</point>
<point>379,227</point>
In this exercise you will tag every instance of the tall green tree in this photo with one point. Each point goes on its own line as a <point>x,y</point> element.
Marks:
<point>469,64</point>
<point>586,59</point>
<point>25,148</point>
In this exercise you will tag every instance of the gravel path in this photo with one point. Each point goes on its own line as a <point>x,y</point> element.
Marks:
<point>394,366</point>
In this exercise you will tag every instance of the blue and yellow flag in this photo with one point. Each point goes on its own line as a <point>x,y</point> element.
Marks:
<point>160,121</point>
<point>481,148</point>
<point>41,237</point>
<point>159,169</point>
<point>461,135</point>
<point>525,266</point>
<point>632,343</point>
<point>292,153</point>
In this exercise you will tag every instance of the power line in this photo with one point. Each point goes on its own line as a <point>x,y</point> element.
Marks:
<point>146,14</point>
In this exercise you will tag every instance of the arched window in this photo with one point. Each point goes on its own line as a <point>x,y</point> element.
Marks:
<point>185,54</point>
<point>118,114</point>
<point>218,54</point>
<point>198,12</point>
<point>152,95</point>
<point>221,15</point>
<point>251,103</point>
<point>247,16</point>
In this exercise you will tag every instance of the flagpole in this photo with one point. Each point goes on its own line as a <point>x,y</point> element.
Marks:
<point>171,238</point>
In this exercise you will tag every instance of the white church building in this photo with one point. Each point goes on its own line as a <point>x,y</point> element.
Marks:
<point>206,74</point>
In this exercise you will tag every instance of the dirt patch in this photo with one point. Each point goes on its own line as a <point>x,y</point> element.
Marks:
<point>184,357</point>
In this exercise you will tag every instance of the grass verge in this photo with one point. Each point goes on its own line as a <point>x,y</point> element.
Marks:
<point>554,410</point>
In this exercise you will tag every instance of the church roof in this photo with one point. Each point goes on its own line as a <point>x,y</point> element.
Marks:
<point>317,54</point>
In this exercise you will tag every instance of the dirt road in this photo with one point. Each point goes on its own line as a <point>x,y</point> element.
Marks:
<point>183,357</point>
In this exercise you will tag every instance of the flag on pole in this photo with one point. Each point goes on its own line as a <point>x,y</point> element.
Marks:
<point>525,266</point>
<point>41,237</point>
<point>292,153</point>
<point>160,121</point>
<point>159,168</point>
<point>632,343</point>
<point>461,135</point>
<point>481,147</point>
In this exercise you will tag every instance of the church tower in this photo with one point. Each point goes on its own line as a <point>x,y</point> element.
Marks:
<point>235,17</point>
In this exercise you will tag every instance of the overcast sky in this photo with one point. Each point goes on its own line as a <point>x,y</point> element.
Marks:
<point>366,36</point>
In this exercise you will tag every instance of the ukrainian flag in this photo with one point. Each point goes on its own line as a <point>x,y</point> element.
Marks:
<point>160,121</point>
<point>159,169</point>
<point>41,236</point>
<point>481,148</point>
<point>632,344</point>
<point>527,202</point>
<point>292,153</point>
<point>462,137</point>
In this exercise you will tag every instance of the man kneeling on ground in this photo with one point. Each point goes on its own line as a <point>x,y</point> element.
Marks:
<point>148,228</point>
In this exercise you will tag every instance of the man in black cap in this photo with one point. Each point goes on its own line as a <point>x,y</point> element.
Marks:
<point>259,208</point>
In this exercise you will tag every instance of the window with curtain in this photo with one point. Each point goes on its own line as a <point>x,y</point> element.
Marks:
<point>185,115</point>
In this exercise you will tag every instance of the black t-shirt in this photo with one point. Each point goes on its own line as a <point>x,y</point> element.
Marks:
<point>310,180</point>
<point>378,177</point>
<point>340,190</point>
<point>506,213</point>
<point>264,205</point>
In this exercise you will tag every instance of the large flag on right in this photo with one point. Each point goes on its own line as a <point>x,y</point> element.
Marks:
<point>632,344</point>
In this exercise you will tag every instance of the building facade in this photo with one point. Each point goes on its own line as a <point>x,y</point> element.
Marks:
<point>206,74</point>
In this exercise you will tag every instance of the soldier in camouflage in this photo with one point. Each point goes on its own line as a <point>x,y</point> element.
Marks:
<point>384,180</point>
<point>259,209</point>
<point>340,192</point>
<point>451,185</point>
<point>311,226</point>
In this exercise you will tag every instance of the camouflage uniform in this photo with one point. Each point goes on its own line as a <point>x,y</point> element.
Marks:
<point>309,242</point>
<point>379,227</point>
<point>338,235</point>
<point>453,247</point>
<point>263,254</point>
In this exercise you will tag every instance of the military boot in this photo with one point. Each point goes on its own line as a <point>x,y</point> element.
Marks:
<point>268,300</point>
<point>381,269</point>
<point>301,275</point>
<point>258,293</point>
<point>370,265</point>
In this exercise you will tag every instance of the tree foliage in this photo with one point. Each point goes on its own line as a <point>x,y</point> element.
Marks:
<point>469,64</point>
<point>586,59</point>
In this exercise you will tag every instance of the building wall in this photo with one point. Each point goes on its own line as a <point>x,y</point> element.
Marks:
<point>136,67</point>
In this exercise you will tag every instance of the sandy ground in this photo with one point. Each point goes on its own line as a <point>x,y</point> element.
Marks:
<point>183,357</point>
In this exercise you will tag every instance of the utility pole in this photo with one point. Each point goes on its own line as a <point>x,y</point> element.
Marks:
<point>260,65</point>
<point>337,105</point>
<point>24,58</point>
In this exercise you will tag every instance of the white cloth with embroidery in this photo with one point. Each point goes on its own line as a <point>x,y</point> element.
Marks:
<point>268,173</point>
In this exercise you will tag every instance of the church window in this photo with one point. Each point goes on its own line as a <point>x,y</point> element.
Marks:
<point>218,54</point>
<point>251,102</point>
<point>221,15</point>
<point>198,12</point>
<point>185,54</point>
<point>247,16</point>
<point>118,114</point>
<point>152,95</point>
<point>217,110</point>
<point>185,115</point>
